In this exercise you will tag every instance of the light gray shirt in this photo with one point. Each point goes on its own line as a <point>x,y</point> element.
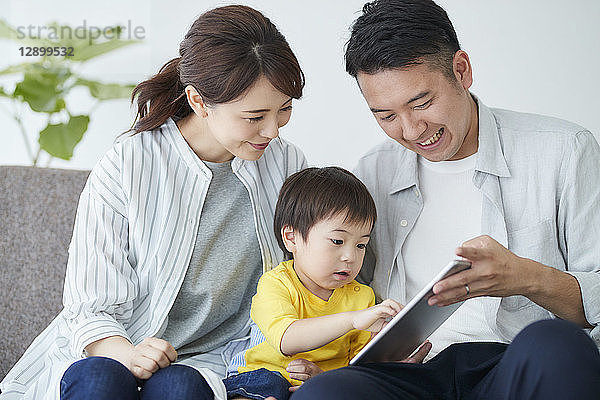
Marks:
<point>213,304</point>
<point>540,180</point>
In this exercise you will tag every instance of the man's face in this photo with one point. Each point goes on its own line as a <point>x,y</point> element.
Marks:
<point>424,110</point>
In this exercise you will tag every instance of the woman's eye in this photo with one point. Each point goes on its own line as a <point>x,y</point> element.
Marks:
<point>288,108</point>
<point>361,246</point>
<point>254,119</point>
<point>389,117</point>
<point>337,241</point>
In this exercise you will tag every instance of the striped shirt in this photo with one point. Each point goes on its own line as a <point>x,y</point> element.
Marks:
<point>133,239</point>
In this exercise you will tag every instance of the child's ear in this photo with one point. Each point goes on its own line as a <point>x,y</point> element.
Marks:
<point>289,238</point>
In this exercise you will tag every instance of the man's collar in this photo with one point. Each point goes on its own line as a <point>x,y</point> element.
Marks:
<point>407,175</point>
<point>490,158</point>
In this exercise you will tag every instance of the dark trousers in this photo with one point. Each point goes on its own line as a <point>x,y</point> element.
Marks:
<point>551,359</point>
<point>102,378</point>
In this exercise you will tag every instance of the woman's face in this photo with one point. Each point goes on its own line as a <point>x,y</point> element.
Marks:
<point>245,126</point>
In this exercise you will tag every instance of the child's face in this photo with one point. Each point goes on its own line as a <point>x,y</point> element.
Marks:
<point>331,254</point>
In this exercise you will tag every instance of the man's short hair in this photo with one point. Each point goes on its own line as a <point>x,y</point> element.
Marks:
<point>394,34</point>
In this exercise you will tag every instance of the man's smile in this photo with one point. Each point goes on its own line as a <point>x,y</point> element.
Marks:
<point>433,139</point>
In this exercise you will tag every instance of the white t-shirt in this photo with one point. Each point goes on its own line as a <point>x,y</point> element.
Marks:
<point>451,215</point>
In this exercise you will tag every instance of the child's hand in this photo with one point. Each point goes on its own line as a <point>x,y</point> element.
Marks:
<point>373,319</point>
<point>302,370</point>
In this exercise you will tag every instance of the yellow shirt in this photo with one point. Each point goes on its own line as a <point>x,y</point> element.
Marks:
<point>282,299</point>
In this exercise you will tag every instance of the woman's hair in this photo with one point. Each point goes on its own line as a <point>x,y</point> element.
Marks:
<point>225,51</point>
<point>314,194</point>
<point>398,33</point>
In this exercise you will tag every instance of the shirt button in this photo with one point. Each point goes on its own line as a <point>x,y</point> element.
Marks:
<point>356,288</point>
<point>417,193</point>
<point>403,223</point>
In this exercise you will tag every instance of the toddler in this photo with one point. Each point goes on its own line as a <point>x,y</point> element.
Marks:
<point>309,314</point>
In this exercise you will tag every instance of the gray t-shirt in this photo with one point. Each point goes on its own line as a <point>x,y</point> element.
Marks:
<point>213,304</point>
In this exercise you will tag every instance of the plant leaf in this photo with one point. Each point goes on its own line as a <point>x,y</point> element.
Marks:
<point>41,88</point>
<point>7,31</point>
<point>59,140</point>
<point>14,69</point>
<point>106,91</point>
<point>88,51</point>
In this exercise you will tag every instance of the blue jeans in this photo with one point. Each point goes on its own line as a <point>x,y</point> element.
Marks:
<point>102,378</point>
<point>551,359</point>
<point>258,385</point>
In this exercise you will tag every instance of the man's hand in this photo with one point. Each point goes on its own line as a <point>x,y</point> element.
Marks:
<point>150,355</point>
<point>420,354</point>
<point>495,271</point>
<point>374,318</point>
<point>302,370</point>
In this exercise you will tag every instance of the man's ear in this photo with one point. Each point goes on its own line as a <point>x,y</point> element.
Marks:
<point>462,69</point>
<point>289,238</point>
<point>196,102</point>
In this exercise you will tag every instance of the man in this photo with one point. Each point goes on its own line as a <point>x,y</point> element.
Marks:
<point>521,189</point>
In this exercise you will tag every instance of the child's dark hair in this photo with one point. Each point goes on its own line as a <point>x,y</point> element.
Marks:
<point>314,194</point>
<point>394,34</point>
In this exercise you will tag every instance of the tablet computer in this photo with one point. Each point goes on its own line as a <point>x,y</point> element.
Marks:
<point>412,325</point>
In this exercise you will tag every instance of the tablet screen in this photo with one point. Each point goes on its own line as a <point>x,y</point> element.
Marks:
<point>411,326</point>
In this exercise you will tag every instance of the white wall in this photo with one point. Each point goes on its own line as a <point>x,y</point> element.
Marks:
<point>539,56</point>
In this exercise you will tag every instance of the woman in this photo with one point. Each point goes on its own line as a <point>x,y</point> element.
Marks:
<point>173,227</point>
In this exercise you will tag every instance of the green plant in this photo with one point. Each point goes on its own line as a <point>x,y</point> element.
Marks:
<point>47,80</point>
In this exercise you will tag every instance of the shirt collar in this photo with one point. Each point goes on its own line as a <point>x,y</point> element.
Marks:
<point>188,154</point>
<point>406,171</point>
<point>490,156</point>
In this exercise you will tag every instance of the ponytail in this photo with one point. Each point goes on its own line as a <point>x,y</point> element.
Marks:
<point>159,98</point>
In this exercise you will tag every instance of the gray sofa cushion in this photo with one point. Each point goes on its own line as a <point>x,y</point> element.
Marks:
<point>37,211</point>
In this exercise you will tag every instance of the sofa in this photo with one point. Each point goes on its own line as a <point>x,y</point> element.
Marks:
<point>37,212</point>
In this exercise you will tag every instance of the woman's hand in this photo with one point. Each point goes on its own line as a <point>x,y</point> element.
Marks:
<point>302,370</point>
<point>374,318</point>
<point>142,360</point>
<point>151,354</point>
